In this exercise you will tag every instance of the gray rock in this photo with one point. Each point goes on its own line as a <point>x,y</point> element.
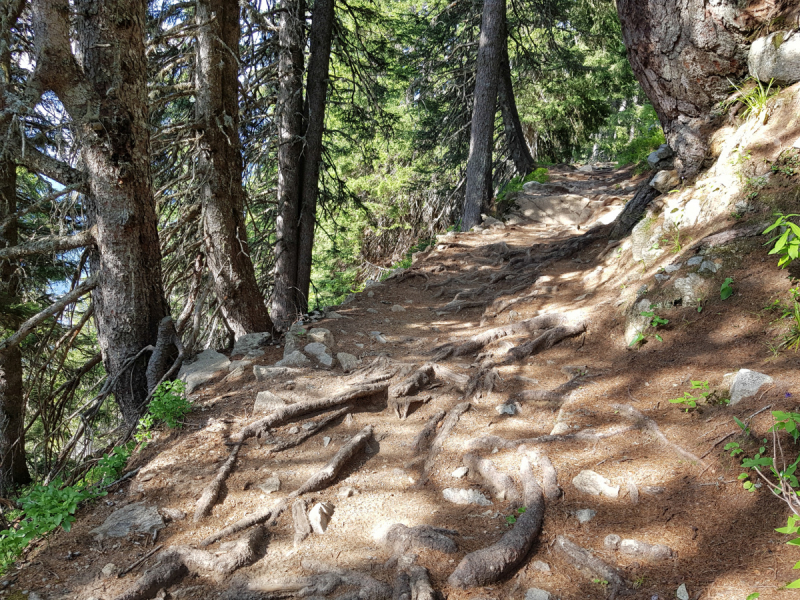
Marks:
<point>541,566</point>
<point>776,56</point>
<point>460,472</point>
<point>205,367</point>
<point>652,552</point>
<point>665,181</point>
<point>398,308</point>
<point>746,383</point>
<point>534,187</point>
<point>325,441</point>
<point>506,409</point>
<point>561,428</point>
<point>239,364</point>
<point>694,261</point>
<point>322,336</point>
<point>672,268</point>
<point>585,169</point>
<point>320,516</point>
<point>108,571</point>
<point>273,484</point>
<point>662,277</point>
<point>173,514</point>
<point>250,342</point>
<point>265,373</point>
<point>537,594</point>
<point>295,359</point>
<point>267,402</point>
<point>133,518</point>
<point>661,158</point>
<point>595,484</point>
<point>653,490</point>
<point>294,339</point>
<point>346,492</point>
<point>372,310</point>
<point>682,593</point>
<point>348,361</point>
<point>332,314</point>
<point>646,239</point>
<point>236,373</point>
<point>692,289</point>
<point>319,351</point>
<point>294,430</point>
<point>461,496</point>
<point>612,542</point>
<point>708,266</point>
<point>584,515</point>
<point>635,323</point>
<point>309,425</point>
<point>378,337</point>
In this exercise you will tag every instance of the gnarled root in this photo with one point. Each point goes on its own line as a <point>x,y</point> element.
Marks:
<point>302,437</point>
<point>210,494</point>
<point>502,485</point>
<point>261,516</point>
<point>547,340</point>
<point>421,588</point>
<point>490,564</point>
<point>424,440</point>
<point>402,539</point>
<point>591,566</point>
<point>448,425</point>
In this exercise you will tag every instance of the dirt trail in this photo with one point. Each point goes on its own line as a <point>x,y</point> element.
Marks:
<point>579,400</point>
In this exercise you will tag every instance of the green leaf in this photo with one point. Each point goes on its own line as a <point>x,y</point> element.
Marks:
<point>753,596</point>
<point>795,585</point>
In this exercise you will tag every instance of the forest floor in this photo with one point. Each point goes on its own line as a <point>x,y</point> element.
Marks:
<point>723,537</point>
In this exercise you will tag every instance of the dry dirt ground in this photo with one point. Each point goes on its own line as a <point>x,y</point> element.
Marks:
<point>723,537</point>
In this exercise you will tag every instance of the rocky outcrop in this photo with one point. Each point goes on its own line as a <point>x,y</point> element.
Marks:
<point>776,57</point>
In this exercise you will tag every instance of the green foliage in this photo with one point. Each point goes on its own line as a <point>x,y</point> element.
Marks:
<point>689,400</point>
<point>726,291</point>
<point>169,403</point>
<point>515,185</point>
<point>755,98</point>
<point>655,322</point>
<point>786,244</point>
<point>511,519</point>
<point>673,239</point>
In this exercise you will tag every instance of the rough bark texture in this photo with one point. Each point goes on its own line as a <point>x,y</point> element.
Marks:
<point>483,111</point>
<point>590,566</point>
<point>290,168</point>
<point>316,96</point>
<point>518,149</point>
<point>220,168</point>
<point>634,211</point>
<point>502,485</point>
<point>683,52</point>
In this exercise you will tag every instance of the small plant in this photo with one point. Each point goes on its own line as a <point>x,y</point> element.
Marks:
<point>787,243</point>
<point>791,339</point>
<point>735,215</point>
<point>598,581</point>
<point>511,519</point>
<point>755,99</point>
<point>639,582</point>
<point>655,322</point>
<point>753,596</point>
<point>673,240</point>
<point>169,403</point>
<point>726,291</point>
<point>690,401</point>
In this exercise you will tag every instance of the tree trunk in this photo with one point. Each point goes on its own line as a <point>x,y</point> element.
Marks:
<point>316,96</point>
<point>285,306</point>
<point>685,53</point>
<point>13,468</point>
<point>483,112</point>
<point>220,168</point>
<point>517,147</point>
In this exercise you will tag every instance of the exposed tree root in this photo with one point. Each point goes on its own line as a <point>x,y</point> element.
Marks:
<point>401,539</point>
<point>479,341</point>
<point>302,527</point>
<point>303,436</point>
<point>502,485</point>
<point>547,340</point>
<point>643,422</point>
<point>557,396</point>
<point>261,516</point>
<point>292,411</point>
<point>414,383</point>
<point>490,442</point>
<point>424,440</point>
<point>210,494</point>
<point>485,566</point>
<point>591,566</point>
<point>401,406</point>
<point>421,588</point>
<point>325,476</point>
<point>552,491</point>
<point>177,562</point>
<point>448,425</point>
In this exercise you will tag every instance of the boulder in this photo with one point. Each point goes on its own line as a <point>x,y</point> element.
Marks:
<point>348,361</point>
<point>322,336</point>
<point>692,289</point>
<point>320,352</point>
<point>295,359</point>
<point>133,518</point>
<point>665,181</point>
<point>251,342</point>
<point>205,366</point>
<point>776,56</point>
<point>661,159</point>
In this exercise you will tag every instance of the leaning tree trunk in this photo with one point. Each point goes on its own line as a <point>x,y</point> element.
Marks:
<point>220,168</point>
<point>316,95</point>
<point>483,112</point>
<point>685,53</point>
<point>512,126</point>
<point>290,169</point>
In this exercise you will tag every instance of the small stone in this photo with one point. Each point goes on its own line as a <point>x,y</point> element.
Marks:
<point>633,492</point>
<point>460,496</point>
<point>460,472</point>
<point>264,373</point>
<point>322,336</point>
<point>506,409</point>
<point>560,429</point>
<point>746,383</point>
<point>665,181</point>
<point>295,359</point>
<point>320,515</point>
<point>694,261</point>
<point>108,571</point>
<point>654,552</point>
<point>347,361</point>
<point>325,441</point>
<point>513,316</point>
<point>346,492</point>
<point>672,268</point>
<point>309,425</point>
<point>267,402</point>
<point>273,484</point>
<point>398,308</point>
<point>319,351</point>
<point>147,476</point>
<point>682,593</point>
<point>294,430</point>
<point>378,337</point>
<point>541,566</point>
<point>584,515</point>
<point>34,596</point>
<point>595,484</point>
<point>173,514</point>
<point>653,490</point>
<point>708,266</point>
<point>371,295</point>
<point>537,594</point>
<point>661,277</point>
<point>612,542</point>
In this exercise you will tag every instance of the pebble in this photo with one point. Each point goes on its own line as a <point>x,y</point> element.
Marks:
<point>541,566</point>
<point>584,515</point>
<point>173,514</point>
<point>378,337</point>
<point>537,594</point>
<point>325,441</point>
<point>294,430</point>
<point>459,496</point>
<point>372,310</point>
<point>319,516</point>
<point>506,409</point>
<point>398,308</point>
<point>108,571</point>
<point>682,593</point>
<point>273,484</point>
<point>309,425</point>
<point>346,492</point>
<point>460,472</point>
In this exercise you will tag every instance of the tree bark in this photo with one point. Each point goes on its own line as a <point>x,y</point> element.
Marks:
<point>483,112</point>
<point>290,168</point>
<point>512,126</point>
<point>106,97</point>
<point>220,167</point>
<point>316,96</point>
<point>684,52</point>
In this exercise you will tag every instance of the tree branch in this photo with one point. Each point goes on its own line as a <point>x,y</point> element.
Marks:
<point>47,244</point>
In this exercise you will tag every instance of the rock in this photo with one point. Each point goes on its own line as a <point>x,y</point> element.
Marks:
<point>537,594</point>
<point>371,295</point>
<point>541,566</point>
<point>585,169</point>
<point>584,515</point>
<point>460,472</point>
<point>692,289</point>
<point>319,516</point>
<point>653,552</point>
<point>682,593</point>
<point>506,409</point>
<point>319,351</point>
<point>295,359</point>
<point>665,181</point>
<point>776,56</point>
<point>746,383</point>
<point>612,542</point>
<point>672,268</point>
<point>239,364</point>
<point>492,222</point>
<point>205,367</point>
<point>661,277</point>
<point>694,261</point>
<point>267,402</point>
<point>370,283</point>
<point>265,373</point>
<point>595,484</point>
<point>173,514</point>
<point>294,339</point>
<point>294,430</point>
<point>325,441</point>
<point>708,266</point>
<point>633,492</point>
<point>322,336</point>
<point>378,337</point>
<point>136,517</point>
<point>560,428</point>
<point>646,239</point>
<point>250,342</point>
<point>346,492</point>
<point>34,596</point>
<point>635,322</point>
<point>461,496</point>
<point>398,308</point>
<point>309,425</point>
<point>562,209</point>
<point>332,314</point>
<point>661,159</point>
<point>653,490</point>
<point>513,316</point>
<point>273,484</point>
<point>347,361</point>
<point>108,571</point>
